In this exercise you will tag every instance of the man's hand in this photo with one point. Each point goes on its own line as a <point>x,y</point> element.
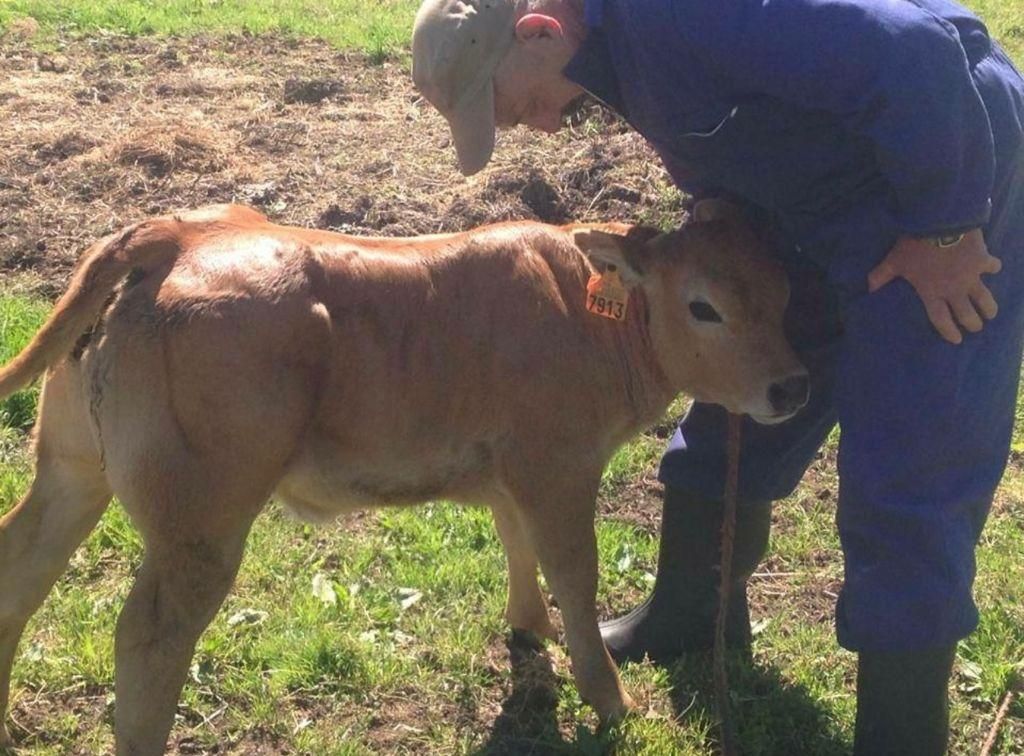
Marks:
<point>947,279</point>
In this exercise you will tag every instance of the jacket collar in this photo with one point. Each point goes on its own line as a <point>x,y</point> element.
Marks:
<point>592,66</point>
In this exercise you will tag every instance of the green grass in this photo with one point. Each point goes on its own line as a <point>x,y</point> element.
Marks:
<point>379,27</point>
<point>19,319</point>
<point>384,634</point>
<point>1005,19</point>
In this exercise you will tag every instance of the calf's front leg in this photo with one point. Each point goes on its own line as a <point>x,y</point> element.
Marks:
<point>558,521</point>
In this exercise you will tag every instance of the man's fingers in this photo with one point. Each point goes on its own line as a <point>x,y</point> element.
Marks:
<point>966,315</point>
<point>984,301</point>
<point>881,275</point>
<point>992,265</point>
<point>938,313</point>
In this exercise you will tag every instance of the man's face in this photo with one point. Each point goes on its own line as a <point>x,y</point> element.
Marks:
<point>529,87</point>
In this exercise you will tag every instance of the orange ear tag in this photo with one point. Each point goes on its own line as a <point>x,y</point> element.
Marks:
<point>606,296</point>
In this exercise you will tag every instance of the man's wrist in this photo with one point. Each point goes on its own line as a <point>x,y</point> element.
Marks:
<point>964,217</point>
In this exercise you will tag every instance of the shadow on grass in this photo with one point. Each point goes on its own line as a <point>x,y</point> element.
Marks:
<point>528,723</point>
<point>770,714</point>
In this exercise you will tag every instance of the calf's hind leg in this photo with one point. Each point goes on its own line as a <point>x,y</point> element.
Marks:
<point>38,536</point>
<point>192,557</point>
<point>525,609</point>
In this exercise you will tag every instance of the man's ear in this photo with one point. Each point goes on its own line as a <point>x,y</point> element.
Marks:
<point>715,209</point>
<point>604,249</point>
<point>534,25</point>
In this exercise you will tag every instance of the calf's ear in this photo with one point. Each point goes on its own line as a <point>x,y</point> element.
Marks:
<point>715,209</point>
<point>604,249</point>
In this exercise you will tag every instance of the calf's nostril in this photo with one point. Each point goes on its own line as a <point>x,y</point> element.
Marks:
<point>789,394</point>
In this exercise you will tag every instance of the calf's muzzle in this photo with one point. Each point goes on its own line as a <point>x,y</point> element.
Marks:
<point>789,394</point>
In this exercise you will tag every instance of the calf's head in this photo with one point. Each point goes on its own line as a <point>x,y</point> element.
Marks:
<point>715,303</point>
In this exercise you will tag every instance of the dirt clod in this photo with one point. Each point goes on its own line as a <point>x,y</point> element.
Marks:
<point>311,91</point>
<point>543,200</point>
<point>336,217</point>
<point>169,57</point>
<point>53,63</point>
<point>264,193</point>
<point>162,150</point>
<point>63,147</point>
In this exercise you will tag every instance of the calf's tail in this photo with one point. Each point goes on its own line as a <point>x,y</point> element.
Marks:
<point>146,246</point>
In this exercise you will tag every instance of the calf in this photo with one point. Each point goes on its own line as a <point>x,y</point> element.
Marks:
<point>203,362</point>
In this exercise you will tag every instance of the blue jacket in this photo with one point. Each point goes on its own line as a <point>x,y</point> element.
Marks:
<point>847,121</point>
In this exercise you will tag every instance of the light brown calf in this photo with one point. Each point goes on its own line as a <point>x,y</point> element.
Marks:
<point>241,359</point>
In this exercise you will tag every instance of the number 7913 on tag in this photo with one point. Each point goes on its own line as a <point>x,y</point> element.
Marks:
<point>606,296</point>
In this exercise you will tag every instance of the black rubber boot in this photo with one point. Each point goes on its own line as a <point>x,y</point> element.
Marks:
<point>903,703</point>
<point>679,616</point>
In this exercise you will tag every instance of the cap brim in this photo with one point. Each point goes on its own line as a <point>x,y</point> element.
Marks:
<point>472,125</point>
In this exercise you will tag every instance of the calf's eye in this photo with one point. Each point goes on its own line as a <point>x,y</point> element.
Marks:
<point>704,312</point>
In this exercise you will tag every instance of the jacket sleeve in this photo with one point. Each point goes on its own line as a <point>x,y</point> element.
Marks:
<point>892,71</point>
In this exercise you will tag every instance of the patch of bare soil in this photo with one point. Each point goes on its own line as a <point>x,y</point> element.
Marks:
<point>30,718</point>
<point>636,502</point>
<point>114,129</point>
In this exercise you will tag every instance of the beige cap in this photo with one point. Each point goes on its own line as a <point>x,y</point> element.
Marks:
<point>456,48</point>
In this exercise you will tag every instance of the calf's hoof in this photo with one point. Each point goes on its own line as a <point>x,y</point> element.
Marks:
<point>527,640</point>
<point>541,629</point>
<point>613,713</point>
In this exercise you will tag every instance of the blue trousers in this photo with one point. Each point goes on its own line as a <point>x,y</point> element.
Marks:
<point>925,434</point>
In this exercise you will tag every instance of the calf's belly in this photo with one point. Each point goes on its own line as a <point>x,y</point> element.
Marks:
<point>325,481</point>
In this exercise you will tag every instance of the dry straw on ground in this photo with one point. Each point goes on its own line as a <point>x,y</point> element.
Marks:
<point>305,133</point>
